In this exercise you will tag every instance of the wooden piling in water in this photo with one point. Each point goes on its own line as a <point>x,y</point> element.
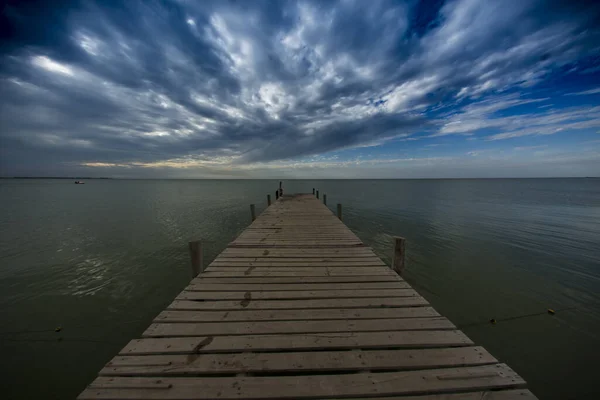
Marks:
<point>276,194</point>
<point>339,211</point>
<point>317,194</point>
<point>399,255</point>
<point>325,198</point>
<point>195,248</point>
<point>268,200</point>
<point>252,212</point>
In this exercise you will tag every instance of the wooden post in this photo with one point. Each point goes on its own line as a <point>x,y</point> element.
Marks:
<point>268,200</point>
<point>317,194</point>
<point>252,212</point>
<point>339,211</point>
<point>196,257</point>
<point>276,194</point>
<point>325,198</point>
<point>313,191</point>
<point>398,260</point>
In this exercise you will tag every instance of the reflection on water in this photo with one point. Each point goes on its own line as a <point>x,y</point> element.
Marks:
<point>89,277</point>
<point>101,260</point>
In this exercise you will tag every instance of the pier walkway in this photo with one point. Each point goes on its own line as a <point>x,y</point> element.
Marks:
<point>297,307</point>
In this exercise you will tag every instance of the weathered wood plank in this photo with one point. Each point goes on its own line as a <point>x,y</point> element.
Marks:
<point>297,342</point>
<point>269,287</point>
<point>294,260</point>
<point>296,228</point>
<point>299,304</point>
<point>300,252</point>
<point>306,234</point>
<point>299,279</point>
<point>337,232</point>
<point>295,315</point>
<point>429,381</point>
<point>319,245</point>
<point>183,365</point>
<point>303,234</point>
<point>288,295</point>
<point>279,264</point>
<point>508,394</point>
<point>292,240</point>
<point>320,271</point>
<point>288,272</point>
<point>280,327</point>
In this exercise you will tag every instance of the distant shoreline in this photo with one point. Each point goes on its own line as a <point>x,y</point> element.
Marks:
<point>49,177</point>
<point>291,179</point>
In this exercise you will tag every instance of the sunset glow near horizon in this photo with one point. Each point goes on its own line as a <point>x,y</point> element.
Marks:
<point>300,89</point>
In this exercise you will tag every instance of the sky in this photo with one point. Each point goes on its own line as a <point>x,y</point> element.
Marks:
<point>300,89</point>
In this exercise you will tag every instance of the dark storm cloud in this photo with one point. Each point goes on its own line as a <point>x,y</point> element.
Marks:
<point>149,81</point>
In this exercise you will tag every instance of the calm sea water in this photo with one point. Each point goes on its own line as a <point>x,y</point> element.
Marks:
<point>101,260</point>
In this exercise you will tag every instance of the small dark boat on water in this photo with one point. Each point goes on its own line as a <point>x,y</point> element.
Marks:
<point>79,182</point>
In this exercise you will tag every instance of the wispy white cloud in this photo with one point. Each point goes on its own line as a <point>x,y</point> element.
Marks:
<point>486,163</point>
<point>552,122</point>
<point>585,92</point>
<point>480,115</point>
<point>483,115</point>
<point>528,148</point>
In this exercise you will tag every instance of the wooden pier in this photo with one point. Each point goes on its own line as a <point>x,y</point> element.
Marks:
<point>297,307</point>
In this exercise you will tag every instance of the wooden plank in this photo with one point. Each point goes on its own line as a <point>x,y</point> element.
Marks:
<point>275,230</point>
<point>295,315</point>
<point>300,223</point>
<point>297,342</point>
<point>291,252</point>
<point>269,287</point>
<point>370,269</point>
<point>309,239</point>
<point>319,245</point>
<point>293,241</point>
<point>311,326</point>
<point>299,304</point>
<point>280,230</point>
<point>338,232</point>
<point>510,394</point>
<point>428,381</point>
<point>299,279</point>
<point>293,257</point>
<point>305,233</point>
<point>288,295</point>
<point>291,236</point>
<point>295,244</point>
<point>290,260</point>
<point>390,359</point>
<point>320,271</point>
<point>226,264</point>
<point>287,272</point>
